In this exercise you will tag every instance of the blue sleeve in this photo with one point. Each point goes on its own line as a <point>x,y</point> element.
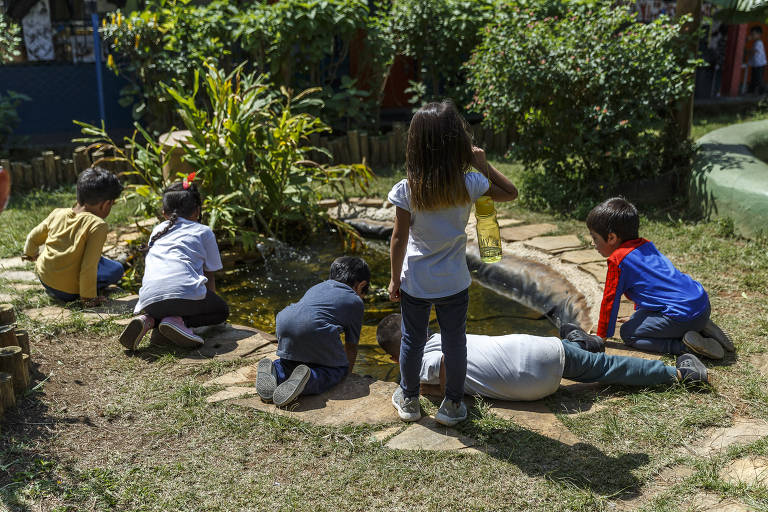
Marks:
<point>354,323</point>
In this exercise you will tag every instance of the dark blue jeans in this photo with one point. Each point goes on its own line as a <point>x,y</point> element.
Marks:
<point>452,317</point>
<point>321,378</point>
<point>109,272</point>
<point>654,332</point>
<point>583,366</point>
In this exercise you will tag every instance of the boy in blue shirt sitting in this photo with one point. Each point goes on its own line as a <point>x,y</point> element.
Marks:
<point>671,309</point>
<point>312,356</point>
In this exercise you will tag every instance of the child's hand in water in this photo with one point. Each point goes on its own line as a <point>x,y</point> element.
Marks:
<point>394,291</point>
<point>478,159</point>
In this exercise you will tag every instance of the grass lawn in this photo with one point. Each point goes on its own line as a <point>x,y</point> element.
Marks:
<point>105,431</point>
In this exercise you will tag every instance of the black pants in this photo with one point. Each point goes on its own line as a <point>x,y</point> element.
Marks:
<point>756,80</point>
<point>196,313</point>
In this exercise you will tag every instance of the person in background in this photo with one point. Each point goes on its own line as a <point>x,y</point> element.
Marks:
<point>756,61</point>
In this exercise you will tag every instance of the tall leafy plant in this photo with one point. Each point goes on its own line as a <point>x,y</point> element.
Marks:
<point>10,100</point>
<point>251,151</point>
<point>589,96</point>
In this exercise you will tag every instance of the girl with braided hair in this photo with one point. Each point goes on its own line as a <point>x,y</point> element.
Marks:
<point>178,290</point>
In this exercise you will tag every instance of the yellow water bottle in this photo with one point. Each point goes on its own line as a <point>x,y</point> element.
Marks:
<point>488,236</point>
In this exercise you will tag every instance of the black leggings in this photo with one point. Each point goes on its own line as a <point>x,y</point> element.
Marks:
<point>196,313</point>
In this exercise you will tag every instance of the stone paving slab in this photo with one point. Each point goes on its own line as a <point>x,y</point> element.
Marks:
<point>427,434</point>
<point>6,297</point>
<point>24,276</point>
<point>382,435</point>
<point>760,362</point>
<point>22,287</point>
<point>10,263</point>
<point>240,377</point>
<point>61,314</point>
<point>743,431</point>
<point>231,393</point>
<point>227,342</point>
<point>506,223</point>
<point>597,270</point>
<point>582,257</point>
<point>626,308</point>
<point>520,233</point>
<point>752,470</point>
<point>356,400</point>
<point>534,416</point>
<point>554,244</point>
<point>714,503</point>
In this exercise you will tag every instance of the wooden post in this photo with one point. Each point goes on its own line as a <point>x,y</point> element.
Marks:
<point>384,149</point>
<point>7,396</point>
<point>49,164</point>
<point>364,152</point>
<point>81,159</point>
<point>26,364</point>
<point>60,176</point>
<point>17,174</point>
<point>354,146</point>
<point>38,172</point>
<point>12,362</point>
<point>7,314</point>
<point>22,337</point>
<point>392,147</point>
<point>8,336</point>
<point>29,175</point>
<point>68,171</point>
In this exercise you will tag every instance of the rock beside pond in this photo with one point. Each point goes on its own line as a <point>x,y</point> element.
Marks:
<point>227,342</point>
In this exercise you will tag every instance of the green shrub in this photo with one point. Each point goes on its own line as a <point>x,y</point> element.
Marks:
<point>250,150</point>
<point>300,43</point>
<point>439,35</point>
<point>10,101</point>
<point>9,39</point>
<point>589,97</point>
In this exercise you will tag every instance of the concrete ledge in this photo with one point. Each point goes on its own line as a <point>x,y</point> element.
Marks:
<point>730,179</point>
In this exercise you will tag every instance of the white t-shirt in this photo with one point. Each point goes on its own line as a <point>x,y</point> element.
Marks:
<point>758,55</point>
<point>175,263</point>
<point>510,367</point>
<point>435,262</point>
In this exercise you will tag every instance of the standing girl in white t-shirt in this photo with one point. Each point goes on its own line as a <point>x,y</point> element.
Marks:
<point>178,290</point>
<point>428,249</point>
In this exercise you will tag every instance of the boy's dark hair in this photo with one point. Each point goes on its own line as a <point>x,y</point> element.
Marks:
<point>177,202</point>
<point>616,215</point>
<point>388,332</point>
<point>350,270</point>
<point>96,184</point>
<point>757,28</point>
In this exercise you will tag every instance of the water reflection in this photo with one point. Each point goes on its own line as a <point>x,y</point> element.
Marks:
<point>257,293</point>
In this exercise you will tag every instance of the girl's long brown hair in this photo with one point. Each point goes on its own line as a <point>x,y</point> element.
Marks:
<point>438,154</point>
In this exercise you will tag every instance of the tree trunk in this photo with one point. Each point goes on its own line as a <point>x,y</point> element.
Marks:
<point>7,314</point>
<point>12,362</point>
<point>7,396</point>
<point>685,112</point>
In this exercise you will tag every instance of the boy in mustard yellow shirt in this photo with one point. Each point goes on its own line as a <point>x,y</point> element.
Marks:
<point>70,265</point>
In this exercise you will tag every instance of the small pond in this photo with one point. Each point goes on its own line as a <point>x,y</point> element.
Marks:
<point>256,293</point>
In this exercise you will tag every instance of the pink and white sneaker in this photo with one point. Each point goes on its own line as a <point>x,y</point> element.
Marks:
<point>173,328</point>
<point>135,330</point>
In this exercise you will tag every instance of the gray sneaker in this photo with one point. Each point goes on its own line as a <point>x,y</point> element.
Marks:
<point>706,347</point>
<point>711,330</point>
<point>266,382</point>
<point>407,408</point>
<point>451,413</point>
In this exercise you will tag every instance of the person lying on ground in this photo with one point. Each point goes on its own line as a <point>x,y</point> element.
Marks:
<point>527,367</point>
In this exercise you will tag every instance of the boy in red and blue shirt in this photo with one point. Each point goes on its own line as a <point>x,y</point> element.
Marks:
<point>671,309</point>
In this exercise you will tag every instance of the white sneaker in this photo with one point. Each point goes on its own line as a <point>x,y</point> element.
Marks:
<point>451,413</point>
<point>407,408</point>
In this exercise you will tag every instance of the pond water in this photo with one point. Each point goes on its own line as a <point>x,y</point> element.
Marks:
<point>256,293</point>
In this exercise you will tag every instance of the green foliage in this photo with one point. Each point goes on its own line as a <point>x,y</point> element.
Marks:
<point>299,43</point>
<point>251,150</point>
<point>9,118</point>
<point>439,35</point>
<point>590,97</point>
<point>9,39</point>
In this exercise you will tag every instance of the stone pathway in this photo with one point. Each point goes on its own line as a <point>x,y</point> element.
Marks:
<point>743,431</point>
